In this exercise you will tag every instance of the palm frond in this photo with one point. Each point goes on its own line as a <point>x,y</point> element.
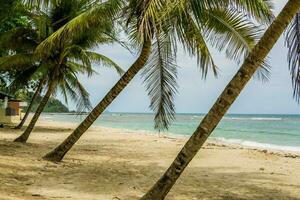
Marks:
<point>261,10</point>
<point>22,78</point>
<point>142,18</point>
<point>78,68</point>
<point>18,40</point>
<point>232,32</point>
<point>77,53</point>
<point>77,92</point>
<point>160,76</point>
<point>293,44</point>
<point>263,73</point>
<point>193,41</point>
<point>17,62</point>
<point>104,61</point>
<point>101,14</point>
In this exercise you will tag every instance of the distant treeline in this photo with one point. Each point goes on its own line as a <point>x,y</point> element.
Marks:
<point>54,105</point>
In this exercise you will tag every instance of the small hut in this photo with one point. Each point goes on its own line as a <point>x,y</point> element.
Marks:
<point>10,109</point>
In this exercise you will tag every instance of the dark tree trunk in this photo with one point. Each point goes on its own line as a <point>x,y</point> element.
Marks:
<point>223,103</point>
<point>24,137</point>
<point>36,94</point>
<point>59,152</point>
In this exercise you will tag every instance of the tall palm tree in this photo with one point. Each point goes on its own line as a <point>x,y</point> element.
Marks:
<point>61,64</point>
<point>225,100</point>
<point>158,25</point>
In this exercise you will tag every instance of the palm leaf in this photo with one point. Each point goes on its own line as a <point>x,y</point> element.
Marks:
<point>18,40</point>
<point>22,78</point>
<point>101,14</point>
<point>104,61</point>
<point>17,62</point>
<point>77,92</point>
<point>77,53</point>
<point>191,36</point>
<point>231,31</point>
<point>160,79</point>
<point>293,44</point>
<point>261,10</point>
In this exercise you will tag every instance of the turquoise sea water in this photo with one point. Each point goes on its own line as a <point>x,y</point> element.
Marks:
<point>267,131</point>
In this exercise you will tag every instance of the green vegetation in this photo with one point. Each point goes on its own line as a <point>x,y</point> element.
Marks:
<point>58,64</point>
<point>12,15</point>
<point>53,106</point>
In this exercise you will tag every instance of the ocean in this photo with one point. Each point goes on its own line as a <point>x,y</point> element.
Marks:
<point>280,132</point>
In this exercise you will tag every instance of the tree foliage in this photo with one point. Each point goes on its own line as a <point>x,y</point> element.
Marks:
<point>228,26</point>
<point>66,60</point>
<point>53,106</point>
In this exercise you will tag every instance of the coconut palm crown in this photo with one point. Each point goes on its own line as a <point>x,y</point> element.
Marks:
<point>198,27</point>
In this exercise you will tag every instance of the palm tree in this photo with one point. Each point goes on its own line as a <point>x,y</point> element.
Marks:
<point>61,65</point>
<point>158,25</point>
<point>64,78</point>
<point>37,92</point>
<point>225,100</point>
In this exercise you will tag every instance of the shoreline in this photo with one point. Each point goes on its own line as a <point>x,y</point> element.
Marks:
<point>211,140</point>
<point>229,141</point>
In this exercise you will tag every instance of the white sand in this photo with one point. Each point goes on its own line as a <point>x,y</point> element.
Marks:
<point>109,164</point>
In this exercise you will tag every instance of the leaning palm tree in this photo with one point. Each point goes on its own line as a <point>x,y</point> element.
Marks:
<point>37,92</point>
<point>60,65</point>
<point>158,25</point>
<point>229,95</point>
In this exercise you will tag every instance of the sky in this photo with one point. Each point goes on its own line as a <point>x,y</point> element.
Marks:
<point>196,95</point>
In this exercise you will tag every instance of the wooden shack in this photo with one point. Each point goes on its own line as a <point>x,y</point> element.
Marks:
<point>10,109</point>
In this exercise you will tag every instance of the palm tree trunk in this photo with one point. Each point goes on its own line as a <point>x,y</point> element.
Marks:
<point>59,152</point>
<point>36,94</point>
<point>223,103</point>
<point>23,138</point>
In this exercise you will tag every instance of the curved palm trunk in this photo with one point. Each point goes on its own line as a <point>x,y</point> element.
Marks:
<point>36,94</point>
<point>59,152</point>
<point>23,138</point>
<point>225,100</point>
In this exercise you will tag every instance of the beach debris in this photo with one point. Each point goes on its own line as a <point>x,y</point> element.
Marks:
<point>291,155</point>
<point>36,195</point>
<point>261,169</point>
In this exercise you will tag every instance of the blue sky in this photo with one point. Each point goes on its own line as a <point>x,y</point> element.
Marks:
<point>195,94</point>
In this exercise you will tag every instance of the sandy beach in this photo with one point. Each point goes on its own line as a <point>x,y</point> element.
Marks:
<point>114,164</point>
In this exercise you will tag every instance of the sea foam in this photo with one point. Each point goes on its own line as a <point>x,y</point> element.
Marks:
<point>259,145</point>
